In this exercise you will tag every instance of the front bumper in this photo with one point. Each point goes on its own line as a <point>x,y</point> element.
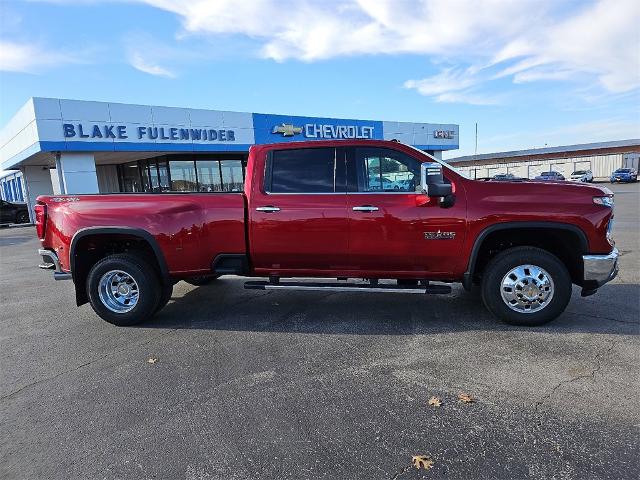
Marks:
<point>622,179</point>
<point>599,269</point>
<point>52,257</point>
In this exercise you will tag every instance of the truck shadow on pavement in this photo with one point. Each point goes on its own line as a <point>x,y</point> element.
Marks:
<point>226,306</point>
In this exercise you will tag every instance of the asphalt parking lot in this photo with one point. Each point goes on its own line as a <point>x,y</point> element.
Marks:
<point>301,385</point>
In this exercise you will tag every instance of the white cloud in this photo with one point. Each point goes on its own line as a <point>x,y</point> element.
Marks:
<point>453,86</point>
<point>151,55</point>
<point>138,62</point>
<point>527,41</point>
<point>311,30</point>
<point>30,58</point>
<point>602,40</point>
<point>589,42</point>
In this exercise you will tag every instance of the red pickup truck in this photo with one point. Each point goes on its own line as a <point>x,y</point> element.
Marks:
<point>320,215</point>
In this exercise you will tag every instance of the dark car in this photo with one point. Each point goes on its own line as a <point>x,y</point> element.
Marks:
<point>624,175</point>
<point>13,212</point>
<point>550,176</point>
<point>505,177</point>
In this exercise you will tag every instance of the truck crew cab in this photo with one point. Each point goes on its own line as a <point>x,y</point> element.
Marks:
<point>379,211</point>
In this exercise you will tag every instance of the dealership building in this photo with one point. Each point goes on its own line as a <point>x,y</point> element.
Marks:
<point>601,158</point>
<point>58,146</point>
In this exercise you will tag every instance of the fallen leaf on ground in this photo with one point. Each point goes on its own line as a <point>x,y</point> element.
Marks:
<point>152,360</point>
<point>422,461</point>
<point>435,402</point>
<point>466,398</point>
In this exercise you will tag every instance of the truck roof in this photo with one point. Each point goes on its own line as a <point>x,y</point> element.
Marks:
<point>330,143</point>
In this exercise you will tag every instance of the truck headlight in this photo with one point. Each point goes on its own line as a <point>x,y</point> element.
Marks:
<point>606,201</point>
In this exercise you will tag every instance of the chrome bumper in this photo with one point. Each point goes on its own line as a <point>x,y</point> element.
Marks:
<point>50,255</point>
<point>600,269</point>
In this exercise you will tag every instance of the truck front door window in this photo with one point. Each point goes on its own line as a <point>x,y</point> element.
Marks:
<point>383,170</point>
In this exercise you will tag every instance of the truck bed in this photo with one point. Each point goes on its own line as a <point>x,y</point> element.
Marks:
<point>191,229</point>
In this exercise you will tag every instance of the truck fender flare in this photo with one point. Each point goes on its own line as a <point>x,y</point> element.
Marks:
<point>468,275</point>
<point>133,232</point>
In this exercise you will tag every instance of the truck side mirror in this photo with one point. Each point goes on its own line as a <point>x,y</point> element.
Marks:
<point>432,181</point>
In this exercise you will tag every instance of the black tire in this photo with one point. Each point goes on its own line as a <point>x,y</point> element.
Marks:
<point>475,293</point>
<point>22,217</point>
<point>149,288</point>
<point>502,263</point>
<point>200,281</point>
<point>165,296</point>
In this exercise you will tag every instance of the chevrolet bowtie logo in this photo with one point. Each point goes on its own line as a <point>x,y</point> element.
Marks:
<point>287,130</point>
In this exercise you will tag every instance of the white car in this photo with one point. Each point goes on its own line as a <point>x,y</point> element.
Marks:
<point>582,176</point>
<point>386,185</point>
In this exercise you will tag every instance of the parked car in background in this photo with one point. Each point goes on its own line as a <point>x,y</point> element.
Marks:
<point>550,176</point>
<point>624,175</point>
<point>582,176</point>
<point>505,177</point>
<point>387,185</point>
<point>13,212</point>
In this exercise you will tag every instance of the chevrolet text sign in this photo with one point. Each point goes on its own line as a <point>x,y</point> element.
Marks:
<point>313,130</point>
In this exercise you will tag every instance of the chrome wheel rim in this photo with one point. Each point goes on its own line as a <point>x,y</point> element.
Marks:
<point>527,288</point>
<point>118,291</point>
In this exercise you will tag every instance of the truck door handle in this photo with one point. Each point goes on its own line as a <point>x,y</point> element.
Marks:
<point>268,209</point>
<point>365,208</point>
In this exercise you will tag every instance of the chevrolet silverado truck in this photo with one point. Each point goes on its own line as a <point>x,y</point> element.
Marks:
<point>339,216</point>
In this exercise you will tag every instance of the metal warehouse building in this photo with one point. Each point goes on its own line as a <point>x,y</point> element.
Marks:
<point>70,146</point>
<point>601,158</point>
<point>11,186</point>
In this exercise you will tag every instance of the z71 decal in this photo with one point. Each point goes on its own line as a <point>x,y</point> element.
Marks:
<point>439,235</point>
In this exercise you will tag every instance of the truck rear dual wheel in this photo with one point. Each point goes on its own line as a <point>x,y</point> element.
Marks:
<point>526,286</point>
<point>124,289</point>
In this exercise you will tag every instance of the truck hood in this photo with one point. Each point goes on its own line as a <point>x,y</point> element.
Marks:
<point>529,195</point>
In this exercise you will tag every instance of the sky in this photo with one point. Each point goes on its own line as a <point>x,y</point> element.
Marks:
<point>529,73</point>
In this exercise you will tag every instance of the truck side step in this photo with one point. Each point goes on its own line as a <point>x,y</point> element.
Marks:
<point>347,287</point>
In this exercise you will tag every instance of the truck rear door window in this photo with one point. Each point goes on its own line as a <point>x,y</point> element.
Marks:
<point>305,170</point>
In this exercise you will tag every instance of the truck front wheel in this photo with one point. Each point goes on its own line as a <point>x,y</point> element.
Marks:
<point>123,289</point>
<point>526,286</point>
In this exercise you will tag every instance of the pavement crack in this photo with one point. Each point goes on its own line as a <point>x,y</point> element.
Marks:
<point>591,375</point>
<point>600,317</point>
<point>79,367</point>
<point>401,472</point>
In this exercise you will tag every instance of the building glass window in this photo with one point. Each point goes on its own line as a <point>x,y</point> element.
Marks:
<point>183,176</point>
<point>209,179</point>
<point>144,172</point>
<point>232,175</point>
<point>130,178</point>
<point>163,176</point>
<point>183,173</point>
